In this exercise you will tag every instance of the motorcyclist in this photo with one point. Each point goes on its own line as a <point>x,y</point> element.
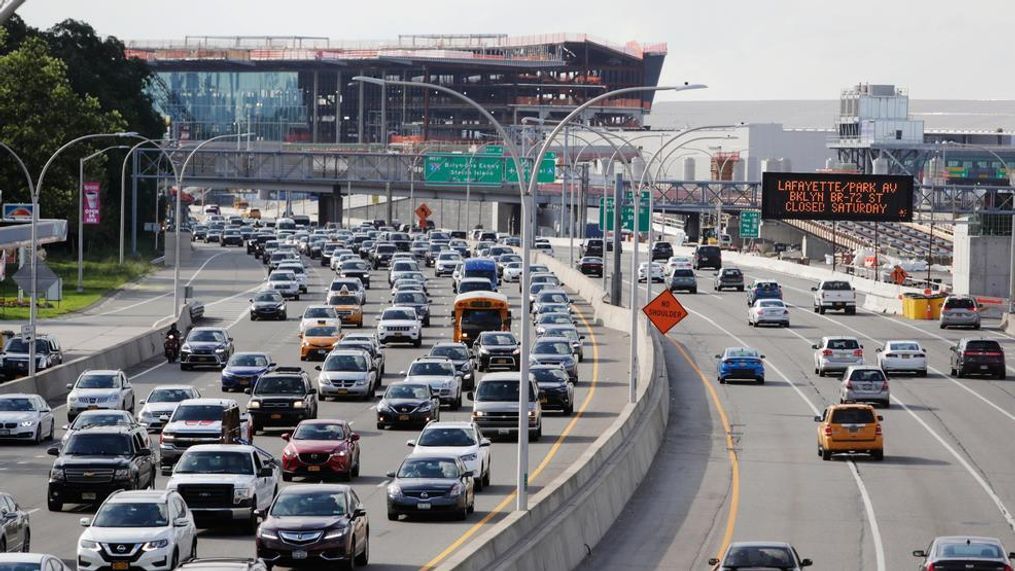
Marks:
<point>173,333</point>
<point>172,343</point>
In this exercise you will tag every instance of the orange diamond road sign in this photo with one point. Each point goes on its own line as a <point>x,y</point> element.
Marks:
<point>665,311</point>
<point>423,211</point>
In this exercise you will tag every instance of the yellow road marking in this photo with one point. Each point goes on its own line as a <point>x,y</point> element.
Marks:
<point>731,518</point>
<point>546,460</point>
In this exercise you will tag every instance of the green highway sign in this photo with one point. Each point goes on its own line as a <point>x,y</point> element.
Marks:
<point>547,169</point>
<point>490,169</point>
<point>750,223</point>
<point>606,213</point>
<point>493,150</point>
<point>626,213</point>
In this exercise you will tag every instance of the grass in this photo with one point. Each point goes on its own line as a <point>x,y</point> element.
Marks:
<point>100,278</point>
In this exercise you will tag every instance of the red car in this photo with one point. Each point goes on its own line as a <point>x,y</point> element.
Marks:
<point>321,449</point>
<point>590,265</point>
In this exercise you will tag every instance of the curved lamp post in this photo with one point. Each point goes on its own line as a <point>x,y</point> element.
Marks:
<point>123,185</point>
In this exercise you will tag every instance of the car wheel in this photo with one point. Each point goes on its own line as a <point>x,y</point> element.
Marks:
<point>363,559</point>
<point>821,310</point>
<point>38,434</point>
<point>52,430</point>
<point>175,562</point>
<point>355,469</point>
<point>253,317</point>
<point>878,455</point>
<point>26,545</point>
<point>740,288</point>
<point>54,505</point>
<point>392,516</point>
<point>761,380</point>
<point>463,513</point>
<point>296,297</point>
<point>252,522</point>
<point>921,373</point>
<point>826,454</point>
<point>815,309</point>
<point>380,426</point>
<point>721,380</point>
<point>1003,375</point>
<point>193,549</point>
<point>943,326</point>
<point>184,367</point>
<point>287,477</point>
<point>417,343</point>
<point>959,373</point>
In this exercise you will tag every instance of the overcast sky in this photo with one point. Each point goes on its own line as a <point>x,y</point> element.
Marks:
<point>743,49</point>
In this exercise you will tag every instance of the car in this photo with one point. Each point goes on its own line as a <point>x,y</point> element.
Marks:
<point>763,289</point>
<point>349,286</point>
<point>348,372</point>
<point>850,428</point>
<point>740,363</point>
<point>496,349</point>
<point>381,255</point>
<point>347,307</point>
<point>296,267</point>
<point>282,397</point>
<point>16,529</point>
<point>759,555</point>
<point>977,357</point>
<point>92,418</point>
<point>318,340</point>
<point>466,285</point>
<point>836,354</point>
<point>865,384</point>
<point>284,282</point>
<point>593,247</point>
<point>95,389</point>
<point>556,390</point>
<point>656,270</point>
<point>683,279</point>
<point>411,404</point>
<point>400,268</point>
<point>268,304</point>
<point>200,231</point>
<point>442,376</point>
<point>416,300</point>
<point>243,369</point>
<point>834,294</point>
<point>565,330</point>
<point>321,449</point>
<point>543,246</point>
<point>202,421</point>
<point>161,402</point>
<point>674,262</point>
<point>903,356</point>
<point>463,439</point>
<point>206,347</point>
<point>459,355</point>
<point>765,311</point>
<point>546,319</point>
<point>150,530</point>
<point>367,342</point>
<point>728,278</point>
<point>495,405</point>
<point>960,311</point>
<point>445,262</point>
<point>48,354</point>
<point>661,251</point>
<point>356,269</point>
<point>548,350</point>
<point>231,237</point>
<point>226,482</point>
<point>315,315</point>
<point>399,324</point>
<point>590,266</point>
<point>537,277</point>
<point>707,256</point>
<point>964,552</point>
<point>512,272</point>
<point>277,257</point>
<point>94,463</point>
<point>431,483</point>
<point>544,308</point>
<point>26,417</point>
<point>223,564</point>
<point>213,235</point>
<point>315,525</point>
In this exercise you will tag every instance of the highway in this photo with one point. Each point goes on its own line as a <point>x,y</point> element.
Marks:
<point>394,545</point>
<point>739,461</point>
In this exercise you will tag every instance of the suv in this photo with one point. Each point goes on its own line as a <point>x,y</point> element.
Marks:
<point>442,376</point>
<point>707,257</point>
<point>592,247</point>
<point>496,349</point>
<point>661,251</point>
<point>833,354</point>
<point>151,530</point>
<point>206,347</point>
<point>459,355</point>
<point>495,405</point>
<point>283,396</point>
<point>48,354</point>
<point>850,428</point>
<point>764,289</point>
<point>728,278</point>
<point>202,421</point>
<point>399,324</point>
<point>683,279</point>
<point>226,481</point>
<point>100,389</point>
<point>865,383</point>
<point>94,463</point>
<point>834,294</point>
<point>977,356</point>
<point>960,311</point>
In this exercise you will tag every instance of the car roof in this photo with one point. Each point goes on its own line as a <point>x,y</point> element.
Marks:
<point>222,448</point>
<point>102,371</point>
<point>173,387</point>
<point>139,496</point>
<point>451,424</point>
<point>18,396</point>
<point>741,351</point>
<point>851,405</point>
<point>210,400</point>
<point>218,329</point>
<point>502,376</point>
<point>551,338</point>
<point>760,544</point>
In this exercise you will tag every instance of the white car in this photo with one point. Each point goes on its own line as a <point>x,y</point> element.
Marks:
<point>543,247</point>
<point>299,271</point>
<point>768,312</point>
<point>903,357</point>
<point>441,375</point>
<point>41,561</point>
<point>349,286</point>
<point>657,271</point>
<point>463,439</point>
<point>446,262</point>
<point>400,268</point>
<point>512,272</point>
<point>106,389</point>
<point>456,273</point>
<point>836,354</point>
<point>400,324</point>
<point>320,315</point>
<point>250,473</point>
<point>25,417</point>
<point>544,277</point>
<point>140,529</point>
<point>162,402</point>
<point>675,262</point>
<point>284,282</point>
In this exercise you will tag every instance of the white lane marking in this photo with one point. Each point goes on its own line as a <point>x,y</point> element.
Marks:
<point>868,505</point>
<point>148,370</point>
<point>384,483</point>
<point>31,511</point>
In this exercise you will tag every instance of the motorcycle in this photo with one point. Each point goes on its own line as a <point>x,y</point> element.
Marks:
<point>172,348</point>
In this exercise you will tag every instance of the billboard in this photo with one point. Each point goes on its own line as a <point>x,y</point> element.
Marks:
<point>17,212</point>
<point>90,214</point>
<point>836,196</point>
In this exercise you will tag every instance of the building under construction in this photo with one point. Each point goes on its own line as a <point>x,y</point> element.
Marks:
<point>300,89</point>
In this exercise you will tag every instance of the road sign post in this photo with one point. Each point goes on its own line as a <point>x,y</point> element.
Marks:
<point>750,224</point>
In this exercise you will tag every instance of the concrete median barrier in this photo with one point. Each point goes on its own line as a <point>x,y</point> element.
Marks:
<point>51,384</point>
<point>572,513</point>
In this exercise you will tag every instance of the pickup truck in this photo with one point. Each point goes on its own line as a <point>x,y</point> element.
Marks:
<point>227,482</point>
<point>202,421</point>
<point>834,294</point>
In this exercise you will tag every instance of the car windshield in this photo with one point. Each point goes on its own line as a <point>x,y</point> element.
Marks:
<point>867,375</point>
<point>437,468</point>
<point>982,345</point>
<point>446,436</point>
<point>404,267</point>
<point>170,395</point>
<point>683,273</point>
<point>431,368</point>
<point>554,319</point>
<point>215,462</point>
<point>741,353</point>
<point>771,303</point>
<point>474,285</point>
<point>553,308</point>
<point>960,303</point>
<point>320,312</point>
<point>552,297</point>
<point>280,386</point>
<point>418,392</point>
<point>731,273</point>
<point>205,336</point>
<point>551,348</point>
<point>16,404</point>
<point>903,347</point>
<point>268,297</point>
<point>22,566</point>
<point>343,300</point>
<point>971,548</point>
<point>843,344</point>
<point>759,556</point>
<point>550,375</point>
<point>92,444</point>
<point>321,331</point>
<point>836,286</point>
<point>354,266</point>
<point>18,345</point>
<point>500,391</point>
<point>86,420</point>
<point>571,334</point>
<point>413,297</point>
<point>353,363</point>
<point>198,412</point>
<point>131,514</point>
<point>282,277</point>
<point>852,416</point>
<point>98,381</point>
<point>309,503</point>
<point>398,315</point>
<point>241,360</point>
<point>454,352</point>
<point>449,257</point>
<point>503,339</point>
<point>314,431</point>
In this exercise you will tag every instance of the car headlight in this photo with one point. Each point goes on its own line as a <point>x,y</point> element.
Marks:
<point>266,533</point>
<point>28,422</point>
<point>56,474</point>
<point>185,348</point>
<point>477,413</point>
<point>394,491</point>
<point>220,350</point>
<point>456,490</point>
<point>88,544</point>
<point>253,404</point>
<point>121,474</point>
<point>516,352</point>
<point>111,398</point>
<point>298,404</point>
<point>157,544</point>
<point>72,398</point>
<point>335,533</point>
<point>532,414</point>
<point>240,494</point>
<point>425,406</point>
<point>469,458</point>
<point>339,453</point>
<point>361,382</point>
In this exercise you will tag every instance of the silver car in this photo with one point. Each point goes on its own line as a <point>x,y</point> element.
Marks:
<point>683,279</point>
<point>833,354</point>
<point>960,311</point>
<point>865,383</point>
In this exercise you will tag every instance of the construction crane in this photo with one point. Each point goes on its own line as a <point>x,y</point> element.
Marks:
<point>7,9</point>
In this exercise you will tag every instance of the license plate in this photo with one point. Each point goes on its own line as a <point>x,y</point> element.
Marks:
<point>120,565</point>
<point>503,431</point>
<point>313,468</point>
<point>423,505</point>
<point>906,356</point>
<point>852,429</point>
<point>87,495</point>
<point>276,416</point>
<point>343,391</point>
<point>4,432</point>
<point>299,554</point>
<point>984,367</point>
<point>502,361</point>
<point>403,417</point>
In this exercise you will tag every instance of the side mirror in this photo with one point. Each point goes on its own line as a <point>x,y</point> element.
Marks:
<point>401,373</point>
<point>251,300</point>
<point>317,368</point>
<point>814,346</point>
<point>259,513</point>
<point>69,386</point>
<point>718,356</point>
<point>53,451</point>
<point>354,437</point>
<point>484,442</point>
<point>879,349</point>
<point>468,474</point>
<point>285,436</point>
<point>410,443</point>
<point>922,553</point>
<point>713,561</point>
<point>265,473</point>
<point>313,391</point>
<point>359,512</point>
<point>85,521</point>
<point>64,427</point>
<point>814,289</point>
<point>270,365</point>
<point>817,419</point>
<point>246,391</point>
<point>144,452</point>
<point>181,522</point>
<point>230,338</point>
<point>880,417</point>
<point>390,474</point>
<point>806,563</point>
<point>142,402</point>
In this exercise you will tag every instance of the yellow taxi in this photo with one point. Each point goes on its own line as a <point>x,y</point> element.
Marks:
<point>347,307</point>
<point>850,428</point>
<point>318,340</point>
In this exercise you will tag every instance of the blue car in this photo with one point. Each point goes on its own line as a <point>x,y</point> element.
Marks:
<point>741,364</point>
<point>243,370</point>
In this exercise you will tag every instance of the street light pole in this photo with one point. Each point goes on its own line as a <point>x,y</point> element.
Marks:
<point>123,188</point>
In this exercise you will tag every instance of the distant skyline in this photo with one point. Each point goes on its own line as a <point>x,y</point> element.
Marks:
<point>742,49</point>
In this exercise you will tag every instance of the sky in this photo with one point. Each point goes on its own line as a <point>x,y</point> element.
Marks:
<point>741,49</point>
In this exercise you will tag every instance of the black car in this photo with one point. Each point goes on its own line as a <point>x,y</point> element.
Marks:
<point>594,247</point>
<point>556,391</point>
<point>416,300</point>
<point>662,251</point>
<point>590,266</point>
<point>978,357</point>
<point>231,237</point>
<point>311,525</point>
<point>267,305</point>
<point>496,349</point>
<point>408,404</point>
<point>356,269</point>
<point>729,278</point>
<point>458,353</point>
<point>200,232</point>
<point>94,463</point>
<point>431,483</point>
<point>381,254</point>
<point>16,354</point>
<point>282,397</point>
<point>707,257</point>
<point>256,243</point>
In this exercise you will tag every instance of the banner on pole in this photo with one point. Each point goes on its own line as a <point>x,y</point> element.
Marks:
<point>91,214</point>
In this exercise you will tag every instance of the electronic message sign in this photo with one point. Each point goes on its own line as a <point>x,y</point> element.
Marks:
<point>836,196</point>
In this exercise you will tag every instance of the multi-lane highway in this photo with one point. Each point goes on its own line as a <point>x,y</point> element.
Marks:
<point>394,545</point>
<point>740,461</point>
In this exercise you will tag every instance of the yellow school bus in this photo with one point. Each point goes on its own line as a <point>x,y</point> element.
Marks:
<point>478,311</point>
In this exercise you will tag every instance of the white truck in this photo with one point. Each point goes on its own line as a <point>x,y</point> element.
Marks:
<point>834,294</point>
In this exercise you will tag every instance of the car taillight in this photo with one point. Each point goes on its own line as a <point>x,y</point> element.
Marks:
<point>992,354</point>
<point>828,430</point>
<point>849,385</point>
<point>884,386</point>
<point>826,353</point>
<point>877,429</point>
<point>930,567</point>
<point>858,352</point>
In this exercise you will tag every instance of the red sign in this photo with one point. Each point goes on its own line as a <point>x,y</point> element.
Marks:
<point>423,211</point>
<point>665,311</point>
<point>90,214</point>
